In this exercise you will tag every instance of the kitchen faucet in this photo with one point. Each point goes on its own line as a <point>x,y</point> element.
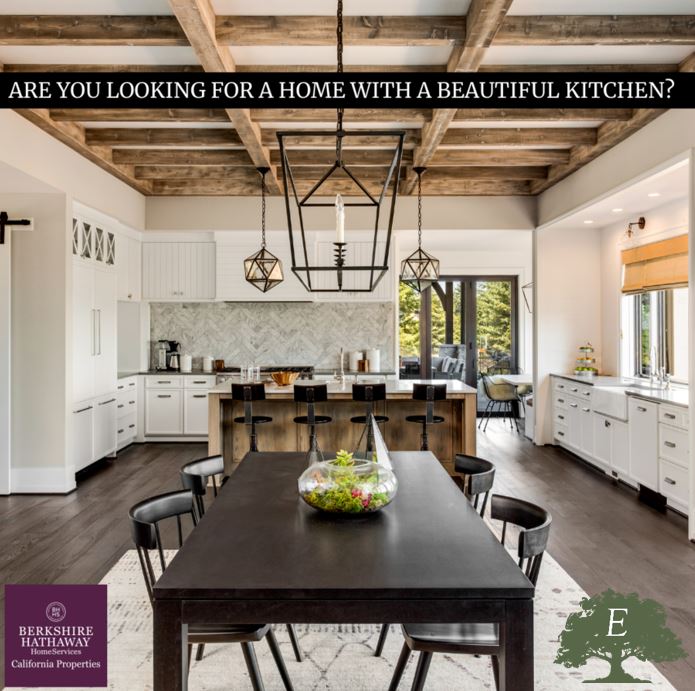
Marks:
<point>341,377</point>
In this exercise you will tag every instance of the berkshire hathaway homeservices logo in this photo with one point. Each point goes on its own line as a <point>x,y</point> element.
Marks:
<point>55,635</point>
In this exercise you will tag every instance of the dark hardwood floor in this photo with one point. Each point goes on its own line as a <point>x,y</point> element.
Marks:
<point>601,535</point>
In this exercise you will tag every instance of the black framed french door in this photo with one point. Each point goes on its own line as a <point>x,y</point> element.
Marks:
<point>459,328</point>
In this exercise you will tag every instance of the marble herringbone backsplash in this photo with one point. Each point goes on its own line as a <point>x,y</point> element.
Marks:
<point>276,333</point>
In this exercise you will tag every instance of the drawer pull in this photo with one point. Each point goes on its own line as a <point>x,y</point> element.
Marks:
<point>120,431</point>
<point>560,400</point>
<point>560,417</point>
<point>669,481</point>
<point>606,423</point>
<point>670,416</point>
<point>199,395</point>
<point>132,383</point>
<point>166,381</point>
<point>198,381</point>
<point>121,387</point>
<point>586,410</point>
<point>560,434</point>
<point>670,444</point>
<point>131,402</point>
<point>575,389</point>
<point>111,400</point>
<point>83,410</point>
<point>586,393</point>
<point>120,405</point>
<point>161,395</point>
<point>131,426</point>
<point>642,409</point>
<point>560,386</point>
<point>574,405</point>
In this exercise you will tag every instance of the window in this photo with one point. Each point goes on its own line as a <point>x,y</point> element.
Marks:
<point>661,333</point>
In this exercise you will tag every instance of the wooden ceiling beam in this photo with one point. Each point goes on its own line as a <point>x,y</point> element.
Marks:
<point>91,67</point>
<point>607,30</point>
<point>295,115</point>
<point>93,30</point>
<point>183,157</point>
<point>196,172</point>
<point>197,18</point>
<point>442,173</point>
<point>327,140</point>
<point>498,157</point>
<point>138,115</point>
<point>483,21</point>
<point>353,157</point>
<point>523,137</point>
<point>603,67</point>
<point>413,30</point>
<point>72,134</point>
<point>550,114</point>
<point>163,136</point>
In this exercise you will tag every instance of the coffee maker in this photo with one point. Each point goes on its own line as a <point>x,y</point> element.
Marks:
<point>174,356</point>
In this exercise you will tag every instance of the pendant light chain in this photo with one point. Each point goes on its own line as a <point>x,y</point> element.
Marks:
<point>339,35</point>
<point>419,209</point>
<point>263,173</point>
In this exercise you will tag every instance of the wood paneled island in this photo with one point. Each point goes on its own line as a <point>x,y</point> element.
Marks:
<point>455,435</point>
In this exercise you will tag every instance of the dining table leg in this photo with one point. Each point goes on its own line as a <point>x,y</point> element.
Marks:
<point>516,656</point>
<point>170,647</point>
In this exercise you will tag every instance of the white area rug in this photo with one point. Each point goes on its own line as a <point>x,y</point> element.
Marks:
<point>341,657</point>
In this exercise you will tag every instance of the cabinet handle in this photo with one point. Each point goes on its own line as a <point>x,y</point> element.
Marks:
<point>586,410</point>
<point>560,400</point>
<point>120,431</point>
<point>94,332</point>
<point>586,393</point>
<point>83,410</point>
<point>670,416</point>
<point>606,423</point>
<point>132,383</point>
<point>642,409</point>
<point>560,386</point>
<point>560,434</point>
<point>199,395</point>
<point>164,395</point>
<point>99,324</point>
<point>111,400</point>
<point>168,381</point>
<point>198,381</point>
<point>669,481</point>
<point>670,444</point>
<point>573,405</point>
<point>575,389</point>
<point>561,417</point>
<point>120,405</point>
<point>131,426</point>
<point>131,402</point>
<point>121,387</point>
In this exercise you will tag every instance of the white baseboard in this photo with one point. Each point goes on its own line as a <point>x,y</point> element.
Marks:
<point>42,480</point>
<point>175,438</point>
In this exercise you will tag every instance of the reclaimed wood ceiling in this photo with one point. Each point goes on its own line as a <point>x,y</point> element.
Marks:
<point>467,152</point>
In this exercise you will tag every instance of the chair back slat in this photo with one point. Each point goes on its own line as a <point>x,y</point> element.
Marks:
<point>194,477</point>
<point>479,477</point>
<point>534,522</point>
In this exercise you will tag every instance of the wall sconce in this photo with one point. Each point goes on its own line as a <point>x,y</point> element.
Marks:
<point>640,223</point>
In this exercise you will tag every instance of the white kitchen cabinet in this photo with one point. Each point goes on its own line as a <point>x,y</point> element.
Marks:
<point>106,349</point>
<point>105,436</point>
<point>83,435</point>
<point>603,435</point>
<point>610,440</point>
<point>574,423</point>
<point>644,444</point>
<point>233,248</point>
<point>195,412</point>
<point>586,430</point>
<point>83,331</point>
<point>620,453</point>
<point>673,484</point>
<point>129,268</point>
<point>177,271</point>
<point>164,411</point>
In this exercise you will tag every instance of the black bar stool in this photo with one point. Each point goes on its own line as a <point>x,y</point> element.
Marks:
<point>369,394</point>
<point>311,394</point>
<point>429,393</point>
<point>249,392</point>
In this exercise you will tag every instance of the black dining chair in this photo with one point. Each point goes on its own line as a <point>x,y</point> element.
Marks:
<point>428,393</point>
<point>247,392</point>
<point>145,517</point>
<point>311,394</point>
<point>478,478</point>
<point>369,394</point>
<point>194,477</point>
<point>478,639</point>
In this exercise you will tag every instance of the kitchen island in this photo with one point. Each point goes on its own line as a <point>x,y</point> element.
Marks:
<point>455,435</point>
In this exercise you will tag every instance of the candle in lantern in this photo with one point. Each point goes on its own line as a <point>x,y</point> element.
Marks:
<point>339,219</point>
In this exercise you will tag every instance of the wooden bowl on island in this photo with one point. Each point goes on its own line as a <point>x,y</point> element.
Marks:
<point>282,378</point>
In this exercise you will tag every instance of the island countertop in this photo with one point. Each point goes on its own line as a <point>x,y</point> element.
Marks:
<point>398,389</point>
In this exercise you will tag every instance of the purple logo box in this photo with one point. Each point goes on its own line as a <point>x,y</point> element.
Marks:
<point>55,635</point>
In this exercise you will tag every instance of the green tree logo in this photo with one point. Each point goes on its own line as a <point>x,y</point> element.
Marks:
<point>614,627</point>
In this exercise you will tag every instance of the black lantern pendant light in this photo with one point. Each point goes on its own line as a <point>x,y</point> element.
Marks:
<point>338,266</point>
<point>263,269</point>
<point>420,270</point>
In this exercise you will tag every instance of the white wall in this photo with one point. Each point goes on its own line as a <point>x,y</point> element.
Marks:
<point>663,222</point>
<point>40,344</point>
<point>244,213</point>
<point>34,152</point>
<point>567,308</point>
<point>5,362</point>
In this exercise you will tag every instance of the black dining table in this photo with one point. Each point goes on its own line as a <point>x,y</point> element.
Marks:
<point>261,555</point>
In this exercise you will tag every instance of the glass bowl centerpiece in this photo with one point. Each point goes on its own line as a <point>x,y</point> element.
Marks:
<point>348,485</point>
